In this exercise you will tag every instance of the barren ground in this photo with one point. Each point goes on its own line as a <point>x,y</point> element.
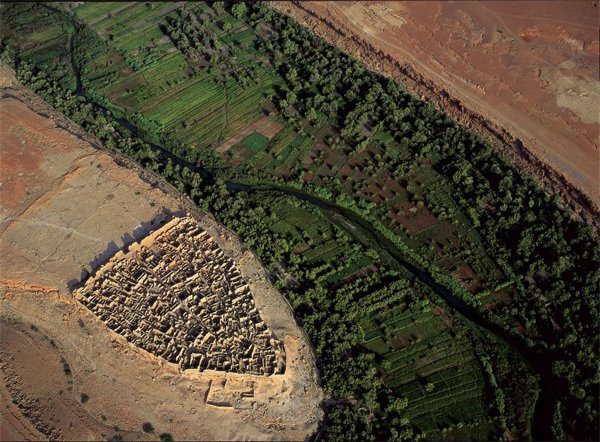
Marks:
<point>66,206</point>
<point>525,73</point>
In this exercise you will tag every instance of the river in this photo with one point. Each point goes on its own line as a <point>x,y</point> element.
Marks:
<point>539,359</point>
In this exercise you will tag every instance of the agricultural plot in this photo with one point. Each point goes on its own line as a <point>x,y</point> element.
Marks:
<point>130,26</point>
<point>93,12</point>
<point>329,255</point>
<point>265,129</point>
<point>349,268</point>
<point>431,365</point>
<point>284,150</point>
<point>45,38</point>
<point>294,151</point>
<point>249,147</point>
<point>202,108</point>
<point>323,251</point>
<point>255,142</point>
<point>307,226</point>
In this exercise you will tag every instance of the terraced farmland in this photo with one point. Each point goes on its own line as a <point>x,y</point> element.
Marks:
<point>430,364</point>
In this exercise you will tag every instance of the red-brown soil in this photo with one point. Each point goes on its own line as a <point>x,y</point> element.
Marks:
<point>52,398</point>
<point>525,74</point>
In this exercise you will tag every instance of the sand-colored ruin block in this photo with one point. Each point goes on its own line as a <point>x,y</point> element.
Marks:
<point>218,396</point>
<point>177,295</point>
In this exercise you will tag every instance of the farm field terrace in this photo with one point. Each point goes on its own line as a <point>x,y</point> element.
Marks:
<point>351,301</point>
<point>257,99</point>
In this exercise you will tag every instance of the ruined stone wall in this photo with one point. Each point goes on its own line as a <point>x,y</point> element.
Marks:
<point>178,296</point>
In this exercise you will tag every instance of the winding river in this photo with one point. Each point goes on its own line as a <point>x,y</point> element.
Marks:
<point>538,359</point>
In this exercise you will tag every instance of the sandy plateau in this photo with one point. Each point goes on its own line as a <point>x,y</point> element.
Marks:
<point>524,73</point>
<point>66,207</point>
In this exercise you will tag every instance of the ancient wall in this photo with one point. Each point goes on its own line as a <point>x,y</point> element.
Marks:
<point>178,296</point>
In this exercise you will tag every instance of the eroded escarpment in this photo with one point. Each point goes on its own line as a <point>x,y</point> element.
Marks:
<point>178,296</point>
<point>548,152</point>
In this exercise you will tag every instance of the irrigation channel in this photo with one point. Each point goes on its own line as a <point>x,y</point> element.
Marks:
<point>538,358</point>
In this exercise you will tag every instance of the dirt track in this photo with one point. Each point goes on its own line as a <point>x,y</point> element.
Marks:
<point>527,81</point>
<point>66,205</point>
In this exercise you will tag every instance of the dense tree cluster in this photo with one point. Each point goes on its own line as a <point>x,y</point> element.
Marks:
<point>552,257</point>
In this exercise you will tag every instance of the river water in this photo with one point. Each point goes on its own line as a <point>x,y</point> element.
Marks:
<point>538,359</point>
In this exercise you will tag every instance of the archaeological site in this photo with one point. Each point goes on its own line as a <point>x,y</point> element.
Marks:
<point>178,296</point>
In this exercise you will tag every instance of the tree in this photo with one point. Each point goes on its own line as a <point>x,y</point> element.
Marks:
<point>397,405</point>
<point>239,10</point>
<point>291,75</point>
<point>557,420</point>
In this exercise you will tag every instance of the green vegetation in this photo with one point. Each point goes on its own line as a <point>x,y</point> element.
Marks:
<point>433,365</point>
<point>148,427</point>
<point>255,142</point>
<point>396,361</point>
<point>166,437</point>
